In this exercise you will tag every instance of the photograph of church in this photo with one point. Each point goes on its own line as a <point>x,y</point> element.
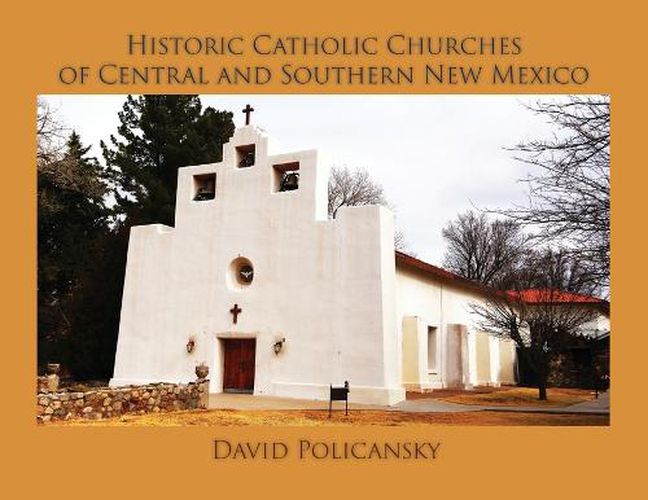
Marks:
<point>207,264</point>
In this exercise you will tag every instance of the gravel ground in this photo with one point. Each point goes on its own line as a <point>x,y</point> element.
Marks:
<point>356,417</point>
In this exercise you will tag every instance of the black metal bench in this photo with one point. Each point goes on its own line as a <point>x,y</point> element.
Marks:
<point>339,394</point>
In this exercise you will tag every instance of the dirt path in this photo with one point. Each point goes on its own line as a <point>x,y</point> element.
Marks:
<point>357,417</point>
<point>507,396</point>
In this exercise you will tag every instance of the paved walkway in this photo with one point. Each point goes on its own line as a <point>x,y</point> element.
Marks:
<point>230,401</point>
<point>433,406</point>
<point>600,406</point>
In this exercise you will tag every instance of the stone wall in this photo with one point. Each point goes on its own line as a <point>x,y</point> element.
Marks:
<point>109,402</point>
<point>42,384</point>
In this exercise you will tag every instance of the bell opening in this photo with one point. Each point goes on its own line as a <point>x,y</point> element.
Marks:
<point>286,177</point>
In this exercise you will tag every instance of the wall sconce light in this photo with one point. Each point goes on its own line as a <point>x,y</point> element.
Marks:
<point>191,343</point>
<point>278,345</point>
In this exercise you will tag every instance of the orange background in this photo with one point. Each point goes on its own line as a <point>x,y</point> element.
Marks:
<point>488,462</point>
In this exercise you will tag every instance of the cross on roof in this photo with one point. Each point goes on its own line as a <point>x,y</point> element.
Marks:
<point>247,111</point>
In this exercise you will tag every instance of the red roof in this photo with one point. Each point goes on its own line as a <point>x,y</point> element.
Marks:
<point>403,258</point>
<point>440,273</point>
<point>547,296</point>
<point>531,296</point>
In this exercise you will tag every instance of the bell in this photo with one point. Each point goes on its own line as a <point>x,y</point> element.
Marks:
<point>290,181</point>
<point>247,159</point>
<point>204,194</point>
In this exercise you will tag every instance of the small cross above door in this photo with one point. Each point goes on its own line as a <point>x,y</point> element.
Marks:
<point>236,310</point>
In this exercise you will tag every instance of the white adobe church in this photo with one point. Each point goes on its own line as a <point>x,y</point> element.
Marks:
<point>277,299</point>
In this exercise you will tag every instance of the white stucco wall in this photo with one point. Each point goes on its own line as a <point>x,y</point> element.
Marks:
<point>327,287</point>
<point>598,326</point>
<point>423,300</point>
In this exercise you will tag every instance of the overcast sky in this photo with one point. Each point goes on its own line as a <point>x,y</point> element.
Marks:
<point>435,155</point>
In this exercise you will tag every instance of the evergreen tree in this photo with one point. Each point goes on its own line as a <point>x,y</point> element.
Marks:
<point>95,316</point>
<point>71,218</point>
<point>157,135</point>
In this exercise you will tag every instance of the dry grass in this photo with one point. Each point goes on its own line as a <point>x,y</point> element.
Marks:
<point>356,417</point>
<point>508,396</point>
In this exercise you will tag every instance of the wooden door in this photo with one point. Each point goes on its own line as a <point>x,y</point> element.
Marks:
<point>238,369</point>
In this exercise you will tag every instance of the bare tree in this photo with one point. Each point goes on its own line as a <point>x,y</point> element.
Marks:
<point>355,187</point>
<point>569,187</point>
<point>483,250</point>
<point>542,312</point>
<point>51,134</point>
<point>58,167</point>
<point>401,244</point>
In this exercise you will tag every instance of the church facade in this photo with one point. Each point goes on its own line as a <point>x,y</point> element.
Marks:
<point>277,299</point>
